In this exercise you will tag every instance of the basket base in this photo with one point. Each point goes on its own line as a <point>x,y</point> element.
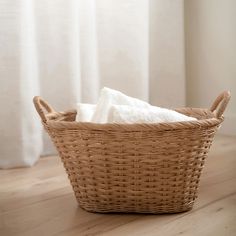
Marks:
<point>130,210</point>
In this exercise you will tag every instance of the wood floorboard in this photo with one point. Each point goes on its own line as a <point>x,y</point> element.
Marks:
<point>39,201</point>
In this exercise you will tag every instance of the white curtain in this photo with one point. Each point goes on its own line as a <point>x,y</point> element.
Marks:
<point>65,51</point>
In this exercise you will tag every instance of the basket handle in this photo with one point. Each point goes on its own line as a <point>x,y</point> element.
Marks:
<point>41,106</point>
<point>220,104</point>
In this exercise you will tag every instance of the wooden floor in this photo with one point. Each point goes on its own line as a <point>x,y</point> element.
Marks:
<point>39,201</point>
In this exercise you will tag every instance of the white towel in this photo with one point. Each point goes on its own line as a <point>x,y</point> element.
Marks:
<point>128,114</point>
<point>115,107</point>
<point>109,97</point>
<point>85,112</point>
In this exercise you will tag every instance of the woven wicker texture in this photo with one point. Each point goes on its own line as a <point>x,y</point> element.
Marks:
<point>144,168</point>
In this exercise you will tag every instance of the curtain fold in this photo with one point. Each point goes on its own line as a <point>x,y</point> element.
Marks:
<point>65,51</point>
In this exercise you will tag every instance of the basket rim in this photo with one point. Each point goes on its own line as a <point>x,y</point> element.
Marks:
<point>206,118</point>
<point>204,123</point>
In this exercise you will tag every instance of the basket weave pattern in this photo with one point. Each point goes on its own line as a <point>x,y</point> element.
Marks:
<point>144,168</point>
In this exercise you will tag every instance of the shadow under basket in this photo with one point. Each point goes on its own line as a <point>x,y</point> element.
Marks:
<point>143,168</point>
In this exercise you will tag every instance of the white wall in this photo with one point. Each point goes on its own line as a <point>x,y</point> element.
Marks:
<point>166,53</point>
<point>137,52</point>
<point>210,35</point>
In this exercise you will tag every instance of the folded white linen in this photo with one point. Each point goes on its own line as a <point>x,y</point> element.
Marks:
<point>116,107</point>
<point>152,114</point>
<point>85,112</point>
<point>109,97</point>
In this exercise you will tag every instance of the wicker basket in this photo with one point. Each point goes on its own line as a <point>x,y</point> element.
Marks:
<point>144,168</point>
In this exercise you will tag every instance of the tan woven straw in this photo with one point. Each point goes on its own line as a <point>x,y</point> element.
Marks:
<point>144,168</point>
